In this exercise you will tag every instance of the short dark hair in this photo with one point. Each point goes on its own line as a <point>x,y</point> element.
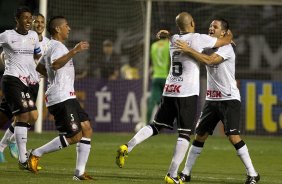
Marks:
<point>38,14</point>
<point>224,23</point>
<point>21,10</point>
<point>53,23</point>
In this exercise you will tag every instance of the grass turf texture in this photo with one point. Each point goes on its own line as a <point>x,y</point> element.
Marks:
<point>148,162</point>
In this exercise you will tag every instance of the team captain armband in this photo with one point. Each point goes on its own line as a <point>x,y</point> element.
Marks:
<point>37,50</point>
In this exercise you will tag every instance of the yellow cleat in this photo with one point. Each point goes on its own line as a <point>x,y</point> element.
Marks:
<point>39,168</point>
<point>170,180</point>
<point>122,152</point>
<point>33,163</point>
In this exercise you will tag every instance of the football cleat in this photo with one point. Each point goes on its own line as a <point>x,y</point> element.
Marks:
<point>85,176</point>
<point>252,179</point>
<point>184,177</point>
<point>2,157</point>
<point>122,152</point>
<point>24,166</point>
<point>33,163</point>
<point>13,150</point>
<point>170,180</point>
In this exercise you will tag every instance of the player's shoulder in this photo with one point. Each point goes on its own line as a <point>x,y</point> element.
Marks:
<point>226,48</point>
<point>33,33</point>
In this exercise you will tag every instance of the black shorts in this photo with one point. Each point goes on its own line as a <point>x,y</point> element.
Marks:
<point>5,109</point>
<point>68,115</point>
<point>183,109</point>
<point>227,111</point>
<point>19,97</point>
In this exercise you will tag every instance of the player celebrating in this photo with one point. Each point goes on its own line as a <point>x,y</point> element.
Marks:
<point>38,26</point>
<point>21,47</point>
<point>222,101</point>
<point>71,120</point>
<point>180,94</point>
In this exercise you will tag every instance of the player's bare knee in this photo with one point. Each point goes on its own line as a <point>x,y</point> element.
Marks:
<point>234,139</point>
<point>23,117</point>
<point>201,137</point>
<point>75,139</point>
<point>87,130</point>
<point>33,115</point>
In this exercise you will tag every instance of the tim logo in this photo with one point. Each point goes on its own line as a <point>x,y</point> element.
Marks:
<point>172,88</point>
<point>214,94</point>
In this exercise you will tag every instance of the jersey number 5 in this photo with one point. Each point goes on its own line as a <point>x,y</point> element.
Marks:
<point>177,68</point>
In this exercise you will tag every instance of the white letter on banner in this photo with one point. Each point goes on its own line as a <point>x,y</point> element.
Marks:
<point>130,109</point>
<point>103,104</point>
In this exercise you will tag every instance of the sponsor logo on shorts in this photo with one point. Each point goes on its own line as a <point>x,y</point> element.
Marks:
<point>30,103</point>
<point>24,102</point>
<point>214,94</point>
<point>74,126</point>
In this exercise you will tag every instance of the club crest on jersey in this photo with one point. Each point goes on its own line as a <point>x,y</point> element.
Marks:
<point>172,88</point>
<point>214,94</point>
<point>74,126</point>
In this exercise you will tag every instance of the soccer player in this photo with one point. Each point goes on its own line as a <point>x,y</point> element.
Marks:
<point>179,100</point>
<point>71,120</point>
<point>38,26</point>
<point>21,47</point>
<point>222,101</point>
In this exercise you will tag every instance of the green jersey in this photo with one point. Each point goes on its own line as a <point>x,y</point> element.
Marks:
<point>160,58</point>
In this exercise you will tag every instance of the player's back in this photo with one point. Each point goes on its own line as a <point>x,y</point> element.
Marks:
<point>183,78</point>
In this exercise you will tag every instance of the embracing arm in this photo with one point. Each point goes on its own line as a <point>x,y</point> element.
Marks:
<point>203,58</point>
<point>227,39</point>
<point>61,61</point>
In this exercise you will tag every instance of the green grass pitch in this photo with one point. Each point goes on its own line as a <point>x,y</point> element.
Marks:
<point>148,162</point>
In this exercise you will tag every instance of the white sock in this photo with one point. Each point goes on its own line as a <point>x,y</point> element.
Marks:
<point>178,156</point>
<point>243,153</point>
<point>5,139</point>
<point>143,134</point>
<point>54,145</point>
<point>82,150</point>
<point>193,154</point>
<point>21,139</point>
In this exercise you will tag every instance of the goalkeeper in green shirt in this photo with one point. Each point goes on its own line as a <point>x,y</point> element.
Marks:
<point>160,60</point>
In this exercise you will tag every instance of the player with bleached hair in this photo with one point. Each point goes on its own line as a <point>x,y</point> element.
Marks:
<point>71,120</point>
<point>223,101</point>
<point>180,95</point>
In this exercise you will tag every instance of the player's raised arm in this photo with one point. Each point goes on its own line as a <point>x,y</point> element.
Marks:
<point>203,58</point>
<point>60,62</point>
<point>227,39</point>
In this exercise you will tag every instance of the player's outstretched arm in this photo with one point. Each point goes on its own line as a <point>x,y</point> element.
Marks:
<point>40,68</point>
<point>227,39</point>
<point>203,58</point>
<point>60,62</point>
<point>2,58</point>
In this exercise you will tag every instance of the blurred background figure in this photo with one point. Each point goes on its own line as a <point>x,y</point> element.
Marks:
<point>108,62</point>
<point>160,62</point>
